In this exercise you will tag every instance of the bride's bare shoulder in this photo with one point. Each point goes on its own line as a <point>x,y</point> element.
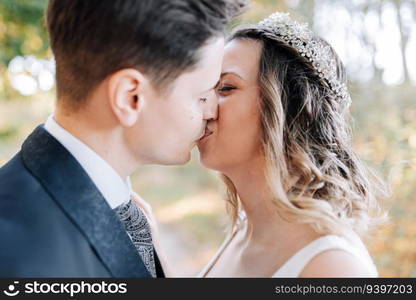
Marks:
<point>335,263</point>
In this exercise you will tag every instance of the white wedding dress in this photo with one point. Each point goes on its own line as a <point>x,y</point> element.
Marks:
<point>293,266</point>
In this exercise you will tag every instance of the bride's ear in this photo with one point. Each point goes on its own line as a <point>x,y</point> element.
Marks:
<point>125,92</point>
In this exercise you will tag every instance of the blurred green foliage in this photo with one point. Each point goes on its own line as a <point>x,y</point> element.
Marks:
<point>22,29</point>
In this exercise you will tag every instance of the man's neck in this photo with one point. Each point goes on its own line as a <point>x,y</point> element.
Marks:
<point>104,139</point>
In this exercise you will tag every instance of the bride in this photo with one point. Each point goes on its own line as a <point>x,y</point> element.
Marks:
<point>299,199</point>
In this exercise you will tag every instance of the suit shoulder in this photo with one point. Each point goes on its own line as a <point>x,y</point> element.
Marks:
<point>24,203</point>
<point>15,179</point>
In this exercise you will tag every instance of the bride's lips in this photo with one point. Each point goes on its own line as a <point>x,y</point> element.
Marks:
<point>207,133</point>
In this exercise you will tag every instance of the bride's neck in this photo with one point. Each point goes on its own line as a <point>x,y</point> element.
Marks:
<point>257,201</point>
<point>264,225</point>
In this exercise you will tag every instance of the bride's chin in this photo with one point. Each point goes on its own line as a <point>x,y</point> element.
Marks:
<point>209,157</point>
<point>202,158</point>
<point>206,160</point>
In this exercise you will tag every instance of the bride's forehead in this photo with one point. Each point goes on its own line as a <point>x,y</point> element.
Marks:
<point>243,45</point>
<point>242,50</point>
<point>242,54</point>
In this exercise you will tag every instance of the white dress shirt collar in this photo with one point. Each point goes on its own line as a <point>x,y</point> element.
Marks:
<point>114,189</point>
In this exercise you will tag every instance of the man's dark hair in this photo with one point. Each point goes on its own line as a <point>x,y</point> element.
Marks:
<point>92,39</point>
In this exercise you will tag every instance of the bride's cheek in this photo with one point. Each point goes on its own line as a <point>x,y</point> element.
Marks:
<point>226,104</point>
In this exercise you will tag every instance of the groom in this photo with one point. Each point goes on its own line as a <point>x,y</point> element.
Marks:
<point>135,86</point>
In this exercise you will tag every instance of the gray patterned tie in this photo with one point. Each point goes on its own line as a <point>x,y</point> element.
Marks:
<point>137,226</point>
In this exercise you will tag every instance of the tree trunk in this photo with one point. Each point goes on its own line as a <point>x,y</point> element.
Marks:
<point>404,40</point>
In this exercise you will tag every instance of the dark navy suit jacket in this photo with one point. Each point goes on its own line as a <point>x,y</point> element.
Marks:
<point>54,222</point>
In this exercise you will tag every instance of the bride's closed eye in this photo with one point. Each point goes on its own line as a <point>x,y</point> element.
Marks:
<point>225,89</point>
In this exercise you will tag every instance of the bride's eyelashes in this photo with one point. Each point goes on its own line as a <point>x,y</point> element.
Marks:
<point>226,89</point>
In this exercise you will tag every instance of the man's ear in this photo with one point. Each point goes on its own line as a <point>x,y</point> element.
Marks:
<point>125,93</point>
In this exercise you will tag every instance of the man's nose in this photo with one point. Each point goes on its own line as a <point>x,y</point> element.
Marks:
<point>211,108</point>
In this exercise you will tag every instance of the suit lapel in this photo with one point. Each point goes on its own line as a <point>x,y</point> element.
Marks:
<point>71,187</point>
<point>159,270</point>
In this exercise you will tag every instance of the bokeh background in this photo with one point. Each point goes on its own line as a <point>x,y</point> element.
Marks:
<point>376,39</point>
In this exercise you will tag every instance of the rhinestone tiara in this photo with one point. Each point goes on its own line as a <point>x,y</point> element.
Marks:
<point>301,38</point>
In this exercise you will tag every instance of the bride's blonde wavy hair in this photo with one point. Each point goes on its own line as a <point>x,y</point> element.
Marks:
<point>311,168</point>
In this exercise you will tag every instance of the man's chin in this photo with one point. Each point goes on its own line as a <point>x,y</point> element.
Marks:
<point>179,160</point>
<point>184,160</point>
